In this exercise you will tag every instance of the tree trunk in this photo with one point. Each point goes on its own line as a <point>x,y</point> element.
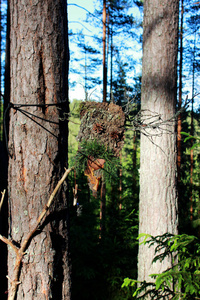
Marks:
<point>111,66</point>
<point>192,158</point>
<point>158,199</point>
<point>192,133</point>
<point>1,99</point>
<point>102,209</point>
<point>179,127</point>
<point>1,125</point>
<point>104,53</point>
<point>38,152</point>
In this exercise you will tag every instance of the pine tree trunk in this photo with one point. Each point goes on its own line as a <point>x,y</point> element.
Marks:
<point>179,127</point>
<point>104,53</point>
<point>39,68</point>
<point>111,64</point>
<point>192,133</point>
<point>158,199</point>
<point>1,127</point>
<point>102,209</point>
<point>191,161</point>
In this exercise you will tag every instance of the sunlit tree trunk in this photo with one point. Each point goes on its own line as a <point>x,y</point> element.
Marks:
<point>39,71</point>
<point>179,127</point>
<point>104,53</point>
<point>158,197</point>
<point>111,66</point>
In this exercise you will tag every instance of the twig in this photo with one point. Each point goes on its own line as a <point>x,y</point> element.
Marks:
<point>79,6</point>
<point>21,251</point>
<point>67,171</point>
<point>2,198</point>
<point>146,119</point>
<point>9,243</point>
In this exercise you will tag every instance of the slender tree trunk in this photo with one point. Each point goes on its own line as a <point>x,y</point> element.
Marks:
<point>86,87</point>
<point>192,133</point>
<point>1,103</point>
<point>158,199</point>
<point>108,43</point>
<point>191,158</point>
<point>39,71</point>
<point>191,175</point>
<point>111,66</point>
<point>104,53</point>
<point>120,187</point>
<point>102,208</point>
<point>7,76</point>
<point>134,158</point>
<point>179,128</point>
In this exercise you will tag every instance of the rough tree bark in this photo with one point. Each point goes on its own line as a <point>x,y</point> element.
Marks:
<point>158,199</point>
<point>39,68</point>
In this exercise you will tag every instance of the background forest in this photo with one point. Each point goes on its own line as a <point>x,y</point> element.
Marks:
<point>106,66</point>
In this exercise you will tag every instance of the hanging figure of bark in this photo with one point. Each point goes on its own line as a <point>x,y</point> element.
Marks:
<point>101,138</point>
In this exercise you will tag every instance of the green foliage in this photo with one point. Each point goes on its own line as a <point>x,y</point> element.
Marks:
<point>74,124</point>
<point>93,149</point>
<point>104,262</point>
<point>186,189</point>
<point>191,137</point>
<point>182,280</point>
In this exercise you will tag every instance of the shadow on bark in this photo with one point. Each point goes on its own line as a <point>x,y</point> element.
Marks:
<point>60,246</point>
<point>3,221</point>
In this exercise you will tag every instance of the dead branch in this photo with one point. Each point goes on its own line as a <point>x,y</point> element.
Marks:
<point>21,251</point>
<point>2,198</point>
<point>9,243</point>
<point>151,123</point>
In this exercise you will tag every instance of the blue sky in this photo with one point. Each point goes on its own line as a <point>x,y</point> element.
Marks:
<point>76,16</point>
<point>75,13</point>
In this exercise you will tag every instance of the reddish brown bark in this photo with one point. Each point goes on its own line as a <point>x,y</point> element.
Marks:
<point>179,127</point>
<point>39,57</point>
